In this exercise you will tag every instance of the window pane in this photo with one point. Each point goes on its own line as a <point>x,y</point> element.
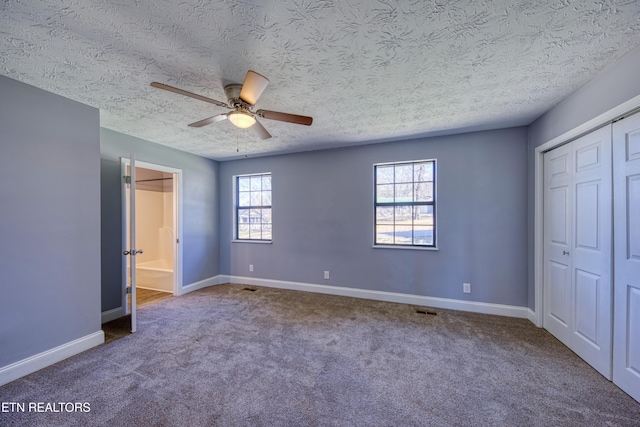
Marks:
<point>423,215</point>
<point>404,193</point>
<point>266,216</point>
<point>243,216</point>
<point>266,182</point>
<point>255,231</point>
<point>424,192</point>
<point>256,216</point>
<point>266,198</point>
<point>384,234</point>
<point>384,174</point>
<point>244,199</point>
<point>266,232</point>
<point>384,193</point>
<point>384,215</point>
<point>404,173</point>
<point>256,183</point>
<point>243,231</point>
<point>403,235</point>
<point>403,215</point>
<point>423,235</point>
<point>256,200</point>
<point>243,183</point>
<point>423,172</point>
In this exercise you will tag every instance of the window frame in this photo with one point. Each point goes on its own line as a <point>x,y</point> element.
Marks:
<point>237,208</point>
<point>432,203</point>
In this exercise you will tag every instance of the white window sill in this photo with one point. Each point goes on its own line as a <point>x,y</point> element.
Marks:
<point>264,242</point>
<point>415,248</point>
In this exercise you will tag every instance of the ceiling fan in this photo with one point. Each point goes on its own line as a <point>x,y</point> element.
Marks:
<point>241,100</point>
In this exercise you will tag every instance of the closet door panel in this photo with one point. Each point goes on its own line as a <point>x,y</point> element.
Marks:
<point>633,218</point>
<point>559,289</point>
<point>587,221</point>
<point>633,347</point>
<point>577,247</point>
<point>591,250</point>
<point>587,290</point>
<point>557,243</point>
<point>626,346</point>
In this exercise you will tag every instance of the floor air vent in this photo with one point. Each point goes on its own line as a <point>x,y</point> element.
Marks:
<point>248,289</point>
<point>430,313</point>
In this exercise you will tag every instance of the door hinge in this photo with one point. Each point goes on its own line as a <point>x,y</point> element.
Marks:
<point>128,289</point>
<point>177,240</point>
<point>127,179</point>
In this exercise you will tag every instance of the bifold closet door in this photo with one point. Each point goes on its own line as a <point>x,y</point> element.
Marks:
<point>577,247</point>
<point>626,155</point>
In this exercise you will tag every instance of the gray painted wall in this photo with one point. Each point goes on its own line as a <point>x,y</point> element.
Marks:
<point>49,221</point>
<point>323,219</point>
<point>200,209</point>
<point>614,86</point>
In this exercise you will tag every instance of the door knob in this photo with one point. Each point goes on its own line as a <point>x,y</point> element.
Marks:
<point>565,252</point>
<point>139,251</point>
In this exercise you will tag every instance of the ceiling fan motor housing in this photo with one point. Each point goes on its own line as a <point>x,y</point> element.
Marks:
<point>232,92</point>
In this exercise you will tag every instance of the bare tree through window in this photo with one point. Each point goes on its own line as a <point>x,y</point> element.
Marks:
<point>405,203</point>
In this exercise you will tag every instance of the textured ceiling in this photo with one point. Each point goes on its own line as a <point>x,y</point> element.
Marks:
<point>366,70</point>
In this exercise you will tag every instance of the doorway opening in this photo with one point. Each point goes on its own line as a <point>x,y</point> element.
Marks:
<point>153,212</point>
<point>155,230</point>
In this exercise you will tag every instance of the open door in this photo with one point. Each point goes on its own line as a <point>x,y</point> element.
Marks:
<point>129,250</point>
<point>151,218</point>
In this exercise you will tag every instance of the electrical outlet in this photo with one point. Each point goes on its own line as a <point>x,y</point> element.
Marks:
<point>250,267</point>
<point>326,274</point>
<point>466,288</point>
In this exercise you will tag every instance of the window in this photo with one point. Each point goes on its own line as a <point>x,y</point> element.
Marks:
<point>405,203</point>
<point>253,207</point>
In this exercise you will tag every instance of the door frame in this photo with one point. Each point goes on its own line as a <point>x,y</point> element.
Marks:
<point>177,222</point>
<point>538,192</point>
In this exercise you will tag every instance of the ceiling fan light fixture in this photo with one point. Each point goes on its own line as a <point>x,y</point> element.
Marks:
<point>241,119</point>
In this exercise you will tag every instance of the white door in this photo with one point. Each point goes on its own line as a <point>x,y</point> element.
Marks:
<point>129,250</point>
<point>557,242</point>
<point>577,244</point>
<point>626,352</point>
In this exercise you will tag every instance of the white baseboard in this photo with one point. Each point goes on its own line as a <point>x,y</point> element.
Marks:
<point>211,281</point>
<point>532,317</point>
<point>435,302</point>
<point>39,361</point>
<point>154,289</point>
<point>113,314</point>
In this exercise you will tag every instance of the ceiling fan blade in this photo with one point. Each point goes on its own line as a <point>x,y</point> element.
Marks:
<point>189,94</point>
<point>253,86</point>
<point>262,132</point>
<point>285,117</point>
<point>209,120</point>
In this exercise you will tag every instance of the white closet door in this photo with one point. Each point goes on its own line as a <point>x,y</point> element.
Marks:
<point>591,253</point>
<point>626,152</point>
<point>577,237</point>
<point>557,243</point>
